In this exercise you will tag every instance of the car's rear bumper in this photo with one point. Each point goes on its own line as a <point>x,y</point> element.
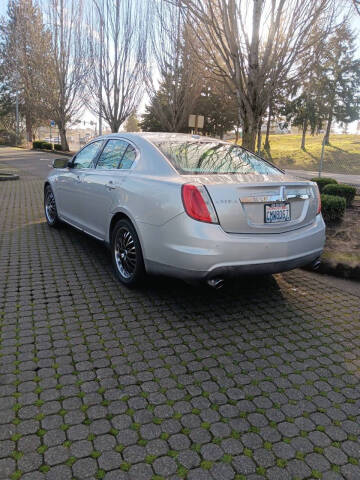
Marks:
<point>188,249</point>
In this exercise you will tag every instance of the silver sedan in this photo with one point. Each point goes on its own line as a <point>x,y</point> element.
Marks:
<point>187,206</point>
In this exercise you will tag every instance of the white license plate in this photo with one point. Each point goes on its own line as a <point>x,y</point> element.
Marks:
<point>277,212</point>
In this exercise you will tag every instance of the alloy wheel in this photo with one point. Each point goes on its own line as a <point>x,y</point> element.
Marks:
<point>50,207</point>
<point>125,253</point>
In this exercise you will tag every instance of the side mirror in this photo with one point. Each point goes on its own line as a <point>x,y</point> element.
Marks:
<point>60,163</point>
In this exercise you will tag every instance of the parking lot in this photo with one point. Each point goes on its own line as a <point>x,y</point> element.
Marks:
<point>259,380</point>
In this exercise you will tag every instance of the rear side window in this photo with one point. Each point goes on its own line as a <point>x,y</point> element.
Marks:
<point>128,158</point>
<point>191,158</point>
<point>112,154</point>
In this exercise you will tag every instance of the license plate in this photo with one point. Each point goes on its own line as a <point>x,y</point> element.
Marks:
<point>277,212</point>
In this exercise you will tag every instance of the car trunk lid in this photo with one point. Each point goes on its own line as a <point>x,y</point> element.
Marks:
<point>260,203</point>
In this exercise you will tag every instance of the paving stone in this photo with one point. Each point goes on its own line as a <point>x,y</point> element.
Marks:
<point>222,471</point>
<point>84,468</point>
<point>164,466</point>
<point>110,460</point>
<point>168,366</point>
<point>82,448</point>
<point>243,465</point>
<point>29,462</point>
<point>317,462</point>
<point>62,472</point>
<point>179,442</point>
<point>56,455</point>
<point>141,471</point>
<point>335,455</point>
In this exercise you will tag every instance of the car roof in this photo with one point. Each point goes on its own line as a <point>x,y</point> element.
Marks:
<point>156,137</point>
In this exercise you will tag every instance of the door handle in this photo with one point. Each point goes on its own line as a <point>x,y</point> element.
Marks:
<point>110,185</point>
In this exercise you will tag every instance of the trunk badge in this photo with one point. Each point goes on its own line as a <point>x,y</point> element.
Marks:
<point>283,195</point>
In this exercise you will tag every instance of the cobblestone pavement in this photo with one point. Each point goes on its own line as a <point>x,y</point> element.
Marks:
<point>260,380</point>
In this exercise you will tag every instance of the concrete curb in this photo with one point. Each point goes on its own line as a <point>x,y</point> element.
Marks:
<point>66,154</point>
<point>341,270</point>
<point>7,177</point>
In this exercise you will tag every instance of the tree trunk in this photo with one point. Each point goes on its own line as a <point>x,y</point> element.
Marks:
<point>249,135</point>
<point>258,148</point>
<point>268,123</point>
<point>29,127</point>
<point>328,128</point>
<point>236,135</point>
<point>64,143</point>
<point>304,134</point>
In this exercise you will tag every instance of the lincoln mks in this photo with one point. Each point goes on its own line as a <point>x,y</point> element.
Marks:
<point>187,206</point>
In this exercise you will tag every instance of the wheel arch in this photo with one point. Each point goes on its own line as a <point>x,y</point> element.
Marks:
<point>124,215</point>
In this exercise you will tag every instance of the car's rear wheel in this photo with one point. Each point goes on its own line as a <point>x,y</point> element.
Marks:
<point>51,214</point>
<point>126,254</point>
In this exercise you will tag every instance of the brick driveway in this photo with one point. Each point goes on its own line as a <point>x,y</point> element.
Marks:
<point>261,380</point>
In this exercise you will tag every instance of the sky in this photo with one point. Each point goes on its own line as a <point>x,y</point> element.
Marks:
<point>87,116</point>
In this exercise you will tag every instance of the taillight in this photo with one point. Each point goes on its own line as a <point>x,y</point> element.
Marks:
<point>318,197</point>
<point>198,204</point>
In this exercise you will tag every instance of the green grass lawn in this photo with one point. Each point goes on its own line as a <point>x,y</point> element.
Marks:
<point>342,156</point>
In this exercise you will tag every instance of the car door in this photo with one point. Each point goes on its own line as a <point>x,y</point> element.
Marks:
<point>104,184</point>
<point>70,188</point>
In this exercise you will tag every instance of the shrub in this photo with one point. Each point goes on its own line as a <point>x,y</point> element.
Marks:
<point>323,181</point>
<point>43,145</point>
<point>57,146</point>
<point>332,207</point>
<point>346,191</point>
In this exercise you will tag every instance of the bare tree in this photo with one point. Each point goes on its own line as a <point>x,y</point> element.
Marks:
<point>70,60</point>
<point>254,45</point>
<point>118,46</point>
<point>175,81</point>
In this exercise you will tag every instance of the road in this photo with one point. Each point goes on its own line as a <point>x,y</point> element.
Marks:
<point>340,177</point>
<point>29,163</point>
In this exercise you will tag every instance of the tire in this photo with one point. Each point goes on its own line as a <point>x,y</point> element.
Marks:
<point>51,214</point>
<point>126,254</point>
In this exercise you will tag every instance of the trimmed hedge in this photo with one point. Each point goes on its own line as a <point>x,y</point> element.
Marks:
<point>332,207</point>
<point>57,146</point>
<point>346,191</point>
<point>43,145</point>
<point>323,181</point>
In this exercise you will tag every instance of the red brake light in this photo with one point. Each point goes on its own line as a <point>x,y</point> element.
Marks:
<point>197,203</point>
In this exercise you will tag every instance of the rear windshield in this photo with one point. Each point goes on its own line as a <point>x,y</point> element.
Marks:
<point>191,158</point>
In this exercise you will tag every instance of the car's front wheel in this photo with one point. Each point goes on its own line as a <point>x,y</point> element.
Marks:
<point>126,254</point>
<point>51,214</point>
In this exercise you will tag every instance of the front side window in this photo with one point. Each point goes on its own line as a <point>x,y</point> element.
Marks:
<point>191,158</point>
<point>128,158</point>
<point>85,157</point>
<point>112,154</point>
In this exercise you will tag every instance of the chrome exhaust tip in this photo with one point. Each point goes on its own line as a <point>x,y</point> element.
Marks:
<point>216,283</point>
<point>316,264</point>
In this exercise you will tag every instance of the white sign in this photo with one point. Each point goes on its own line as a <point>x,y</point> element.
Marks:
<point>52,123</point>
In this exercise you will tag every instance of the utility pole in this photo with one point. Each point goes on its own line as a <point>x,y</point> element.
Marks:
<point>17,114</point>
<point>101,19</point>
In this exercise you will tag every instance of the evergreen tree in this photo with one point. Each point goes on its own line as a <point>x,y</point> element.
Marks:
<point>26,59</point>
<point>132,123</point>
<point>340,78</point>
